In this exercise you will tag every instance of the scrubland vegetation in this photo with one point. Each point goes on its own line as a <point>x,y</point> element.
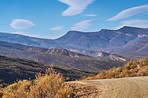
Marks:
<point>50,85</point>
<point>131,69</point>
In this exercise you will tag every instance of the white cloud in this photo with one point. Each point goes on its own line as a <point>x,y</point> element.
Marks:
<point>134,23</point>
<point>90,15</point>
<point>82,25</point>
<point>130,12</point>
<point>21,24</point>
<point>57,28</point>
<point>75,6</point>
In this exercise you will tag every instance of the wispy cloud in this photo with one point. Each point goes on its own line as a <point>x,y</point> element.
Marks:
<point>82,25</point>
<point>21,24</point>
<point>75,6</point>
<point>130,12</point>
<point>57,28</point>
<point>134,23</point>
<point>90,15</point>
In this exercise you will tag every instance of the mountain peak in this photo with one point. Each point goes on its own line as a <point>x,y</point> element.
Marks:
<point>105,30</point>
<point>71,35</point>
<point>129,27</point>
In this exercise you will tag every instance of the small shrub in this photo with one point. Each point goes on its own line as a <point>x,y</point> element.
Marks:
<point>143,72</point>
<point>50,85</point>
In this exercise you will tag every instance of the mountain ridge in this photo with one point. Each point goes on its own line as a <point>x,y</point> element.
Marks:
<point>105,40</point>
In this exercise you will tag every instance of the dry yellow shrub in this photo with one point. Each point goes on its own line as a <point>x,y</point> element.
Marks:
<point>50,85</point>
<point>131,69</point>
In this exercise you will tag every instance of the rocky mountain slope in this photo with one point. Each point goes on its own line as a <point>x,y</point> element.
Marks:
<point>67,59</point>
<point>40,50</point>
<point>99,54</point>
<point>62,51</point>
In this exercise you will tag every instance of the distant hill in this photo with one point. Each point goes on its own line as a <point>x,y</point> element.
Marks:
<point>12,69</point>
<point>40,50</point>
<point>122,41</point>
<point>62,51</point>
<point>58,56</point>
<point>30,41</point>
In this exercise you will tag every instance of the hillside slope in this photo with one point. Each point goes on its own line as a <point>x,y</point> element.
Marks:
<point>70,59</point>
<point>12,69</point>
<point>61,51</point>
<point>131,69</point>
<point>40,50</point>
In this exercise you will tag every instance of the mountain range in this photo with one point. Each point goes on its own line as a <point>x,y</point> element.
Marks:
<point>122,41</point>
<point>131,41</point>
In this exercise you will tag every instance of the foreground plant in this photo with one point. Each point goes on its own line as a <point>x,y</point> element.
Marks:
<point>49,85</point>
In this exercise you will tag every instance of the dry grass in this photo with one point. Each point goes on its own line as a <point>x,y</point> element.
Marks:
<point>50,85</point>
<point>131,69</point>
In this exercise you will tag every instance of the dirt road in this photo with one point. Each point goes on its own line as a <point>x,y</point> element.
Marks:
<point>135,87</point>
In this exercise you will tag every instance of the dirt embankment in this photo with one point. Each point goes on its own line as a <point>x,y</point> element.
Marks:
<point>135,87</point>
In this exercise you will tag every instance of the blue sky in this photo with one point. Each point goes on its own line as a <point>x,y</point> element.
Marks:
<point>54,18</point>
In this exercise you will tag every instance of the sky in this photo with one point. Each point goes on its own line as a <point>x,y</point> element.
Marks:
<point>52,19</point>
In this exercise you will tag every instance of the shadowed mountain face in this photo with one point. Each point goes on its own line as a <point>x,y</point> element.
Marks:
<point>122,41</point>
<point>12,69</point>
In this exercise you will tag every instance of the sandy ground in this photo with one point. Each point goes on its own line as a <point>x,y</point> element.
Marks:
<point>135,87</point>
